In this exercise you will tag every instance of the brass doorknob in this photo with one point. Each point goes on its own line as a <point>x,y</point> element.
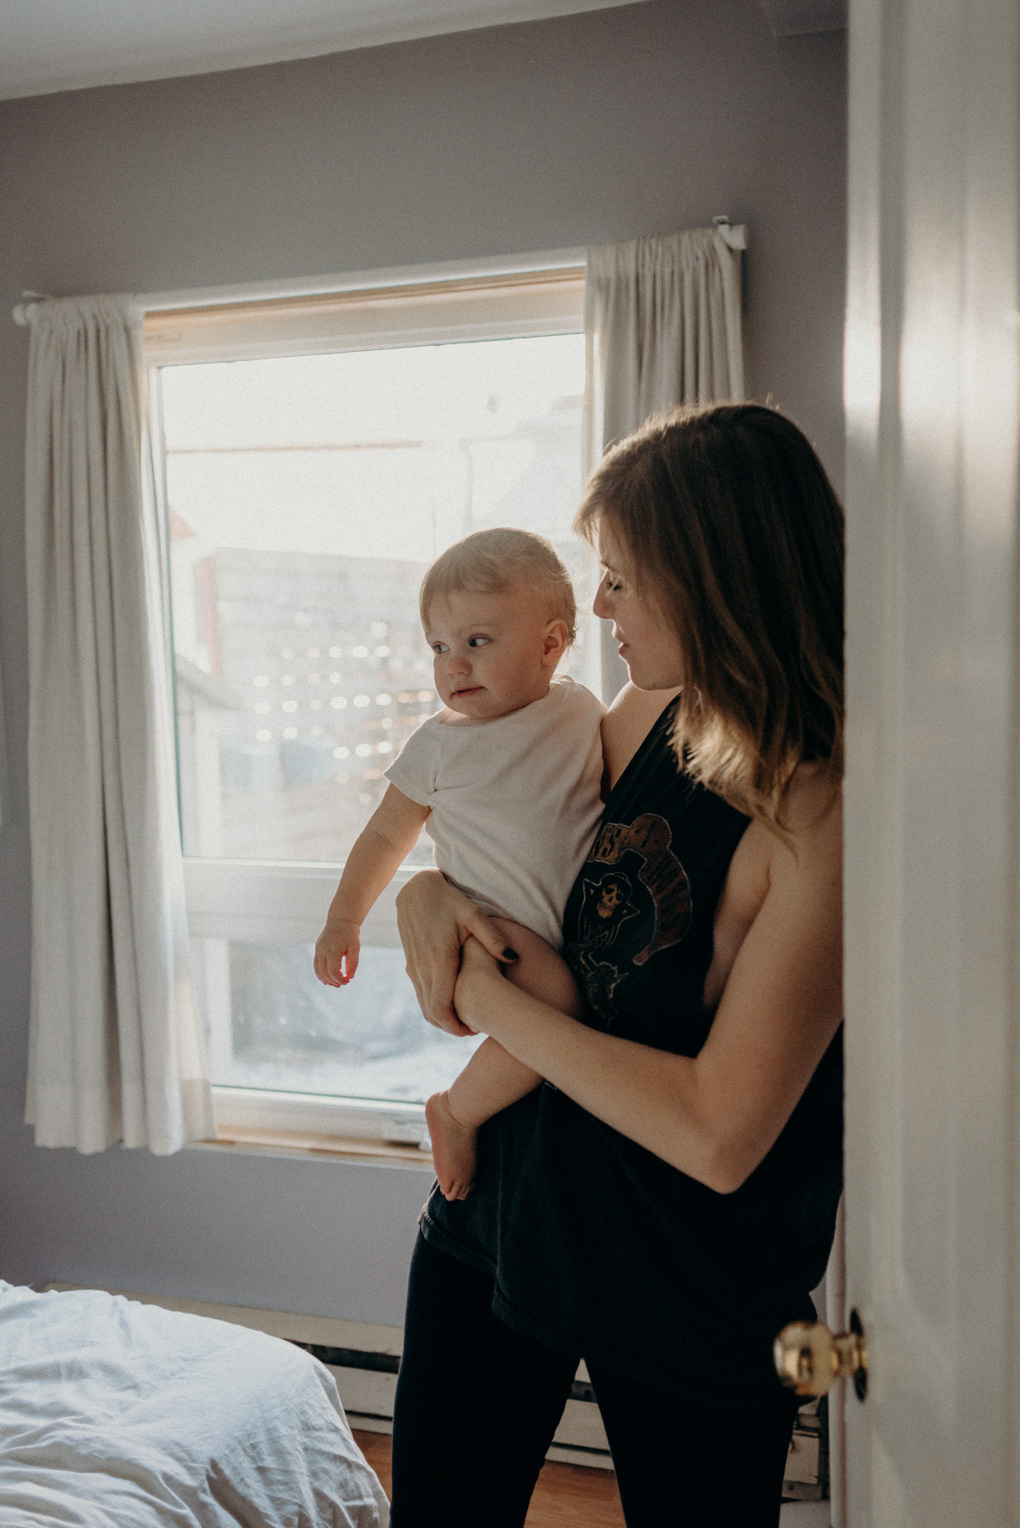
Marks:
<point>809,1358</point>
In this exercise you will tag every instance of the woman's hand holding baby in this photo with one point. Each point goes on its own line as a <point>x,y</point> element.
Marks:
<point>436,921</point>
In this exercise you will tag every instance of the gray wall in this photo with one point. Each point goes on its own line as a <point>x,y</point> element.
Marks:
<point>550,134</point>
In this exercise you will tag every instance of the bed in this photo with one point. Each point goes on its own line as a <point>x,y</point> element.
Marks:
<point>115,1414</point>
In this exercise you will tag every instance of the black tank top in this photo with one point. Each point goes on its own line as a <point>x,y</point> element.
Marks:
<point>597,1246</point>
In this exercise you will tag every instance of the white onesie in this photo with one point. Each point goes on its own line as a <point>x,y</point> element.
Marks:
<point>514,801</point>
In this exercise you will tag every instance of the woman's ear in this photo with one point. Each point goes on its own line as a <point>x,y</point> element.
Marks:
<point>557,640</point>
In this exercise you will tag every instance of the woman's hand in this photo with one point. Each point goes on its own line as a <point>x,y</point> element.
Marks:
<point>435,922</point>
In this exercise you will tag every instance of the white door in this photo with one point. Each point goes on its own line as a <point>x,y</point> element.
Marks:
<point>934,766</point>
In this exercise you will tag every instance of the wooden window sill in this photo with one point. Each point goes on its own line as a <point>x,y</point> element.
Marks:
<point>298,1143</point>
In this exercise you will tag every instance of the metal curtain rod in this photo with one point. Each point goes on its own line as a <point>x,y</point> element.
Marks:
<point>348,281</point>
<point>353,281</point>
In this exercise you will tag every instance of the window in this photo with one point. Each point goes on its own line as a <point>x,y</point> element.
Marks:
<point>317,454</point>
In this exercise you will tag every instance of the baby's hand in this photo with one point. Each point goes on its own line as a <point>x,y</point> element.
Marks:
<point>336,952</point>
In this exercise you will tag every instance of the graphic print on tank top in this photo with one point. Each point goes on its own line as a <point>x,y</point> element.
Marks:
<point>635,901</point>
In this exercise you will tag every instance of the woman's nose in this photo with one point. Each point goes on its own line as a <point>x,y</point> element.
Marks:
<point>600,607</point>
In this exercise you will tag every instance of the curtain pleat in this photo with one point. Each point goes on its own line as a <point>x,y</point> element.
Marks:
<point>115,1050</point>
<point>662,327</point>
<point>662,320</point>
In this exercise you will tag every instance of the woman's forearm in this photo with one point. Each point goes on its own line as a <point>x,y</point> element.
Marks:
<point>713,1116</point>
<point>648,1095</point>
<point>716,1115</point>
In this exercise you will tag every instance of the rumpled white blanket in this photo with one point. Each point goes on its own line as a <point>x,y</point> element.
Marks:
<point>115,1414</point>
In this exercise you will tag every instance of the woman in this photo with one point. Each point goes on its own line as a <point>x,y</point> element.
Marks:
<point>665,1203</point>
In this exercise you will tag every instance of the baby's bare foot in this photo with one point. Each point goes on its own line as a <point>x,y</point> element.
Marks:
<point>453,1148</point>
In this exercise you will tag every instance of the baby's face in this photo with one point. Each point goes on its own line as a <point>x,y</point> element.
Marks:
<point>492,653</point>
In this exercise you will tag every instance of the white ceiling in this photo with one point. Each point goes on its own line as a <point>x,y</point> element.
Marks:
<point>49,45</point>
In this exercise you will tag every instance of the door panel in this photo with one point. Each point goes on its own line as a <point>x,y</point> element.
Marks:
<point>932,407</point>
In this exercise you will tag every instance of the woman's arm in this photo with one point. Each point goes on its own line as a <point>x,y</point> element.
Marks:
<point>716,1115</point>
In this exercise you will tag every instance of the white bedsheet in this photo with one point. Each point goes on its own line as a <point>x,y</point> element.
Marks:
<point>115,1414</point>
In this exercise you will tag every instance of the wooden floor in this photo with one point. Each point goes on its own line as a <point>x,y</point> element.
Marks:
<point>566,1494</point>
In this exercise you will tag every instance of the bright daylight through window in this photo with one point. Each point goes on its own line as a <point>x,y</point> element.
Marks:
<point>306,492</point>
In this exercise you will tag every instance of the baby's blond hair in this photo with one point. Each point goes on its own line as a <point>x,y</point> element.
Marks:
<point>489,562</point>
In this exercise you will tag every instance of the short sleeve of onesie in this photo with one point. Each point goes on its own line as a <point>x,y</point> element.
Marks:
<point>416,767</point>
<point>513,801</point>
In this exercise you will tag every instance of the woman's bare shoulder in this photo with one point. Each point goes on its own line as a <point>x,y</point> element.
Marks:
<point>627,723</point>
<point>813,803</point>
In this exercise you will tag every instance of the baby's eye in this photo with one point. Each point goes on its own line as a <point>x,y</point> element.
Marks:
<point>440,647</point>
<point>478,641</point>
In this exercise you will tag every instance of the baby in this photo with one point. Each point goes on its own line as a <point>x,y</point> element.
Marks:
<point>506,779</point>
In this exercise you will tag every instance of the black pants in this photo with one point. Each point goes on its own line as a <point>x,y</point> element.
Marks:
<point>477,1405</point>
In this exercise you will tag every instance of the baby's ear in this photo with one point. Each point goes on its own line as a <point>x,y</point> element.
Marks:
<point>557,640</point>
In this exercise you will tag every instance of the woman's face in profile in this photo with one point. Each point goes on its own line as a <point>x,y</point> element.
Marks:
<point>647,644</point>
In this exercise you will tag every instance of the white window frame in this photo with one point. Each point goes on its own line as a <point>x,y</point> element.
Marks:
<point>278,901</point>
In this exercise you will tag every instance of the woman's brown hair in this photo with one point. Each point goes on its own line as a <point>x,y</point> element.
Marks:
<point>735,534</point>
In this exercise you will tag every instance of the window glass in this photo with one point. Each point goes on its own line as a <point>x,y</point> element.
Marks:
<point>293,1035</point>
<point>305,495</point>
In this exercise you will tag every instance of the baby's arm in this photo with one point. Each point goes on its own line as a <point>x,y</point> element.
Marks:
<point>387,838</point>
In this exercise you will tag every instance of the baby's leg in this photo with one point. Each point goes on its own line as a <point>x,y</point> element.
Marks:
<point>539,970</point>
<point>493,1079</point>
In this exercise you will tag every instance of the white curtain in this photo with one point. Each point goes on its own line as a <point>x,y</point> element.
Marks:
<point>662,327</point>
<point>662,324</point>
<point>115,1048</point>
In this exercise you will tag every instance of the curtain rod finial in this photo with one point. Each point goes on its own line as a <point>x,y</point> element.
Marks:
<point>24,311</point>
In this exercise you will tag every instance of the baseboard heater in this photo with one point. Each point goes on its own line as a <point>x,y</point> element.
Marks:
<point>367,1383</point>
<point>364,1359</point>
